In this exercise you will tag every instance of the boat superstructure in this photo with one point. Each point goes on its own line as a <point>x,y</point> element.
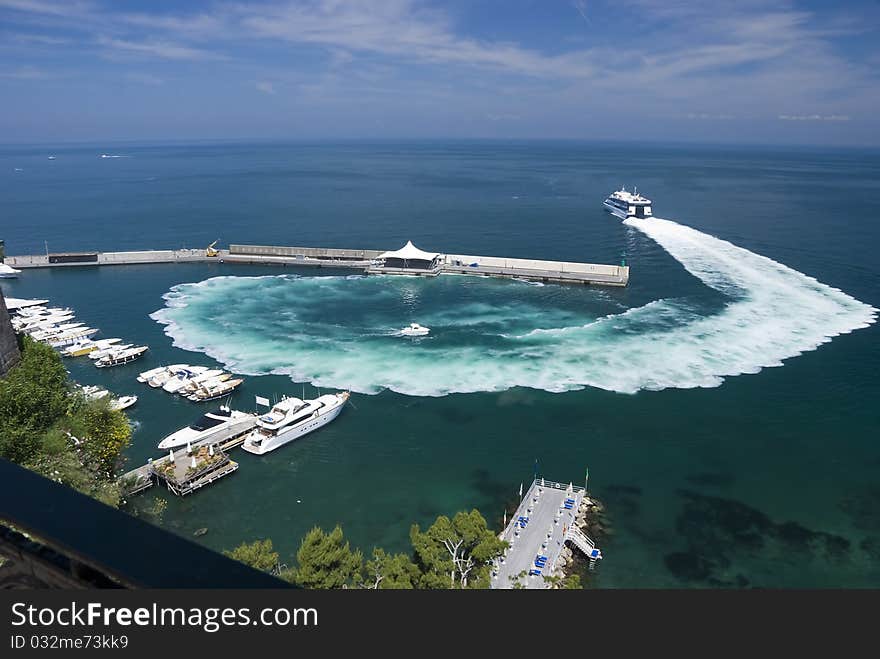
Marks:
<point>290,419</point>
<point>626,204</point>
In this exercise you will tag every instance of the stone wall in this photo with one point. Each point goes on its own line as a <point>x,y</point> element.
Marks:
<point>9,354</point>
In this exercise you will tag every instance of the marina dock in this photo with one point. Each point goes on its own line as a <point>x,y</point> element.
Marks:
<point>178,475</point>
<point>544,522</point>
<point>362,260</point>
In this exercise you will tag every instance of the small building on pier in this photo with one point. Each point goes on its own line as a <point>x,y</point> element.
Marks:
<point>409,259</point>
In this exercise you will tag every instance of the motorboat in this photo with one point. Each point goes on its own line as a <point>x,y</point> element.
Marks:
<point>121,357</point>
<point>18,304</point>
<point>40,322</point>
<point>216,426</point>
<point>103,352</point>
<point>213,389</point>
<point>123,403</point>
<point>415,329</point>
<point>70,337</point>
<point>290,419</point>
<point>87,346</point>
<point>94,392</point>
<point>206,379</point>
<point>163,376</point>
<point>8,272</point>
<point>53,330</point>
<point>183,377</point>
<point>146,375</point>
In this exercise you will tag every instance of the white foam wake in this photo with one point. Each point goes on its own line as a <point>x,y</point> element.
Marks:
<point>489,335</point>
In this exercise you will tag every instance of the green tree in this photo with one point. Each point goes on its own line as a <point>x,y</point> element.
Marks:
<point>389,572</point>
<point>106,435</point>
<point>456,553</point>
<point>258,554</point>
<point>32,397</point>
<point>325,560</point>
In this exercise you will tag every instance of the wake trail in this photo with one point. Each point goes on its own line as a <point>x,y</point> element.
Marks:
<point>772,313</point>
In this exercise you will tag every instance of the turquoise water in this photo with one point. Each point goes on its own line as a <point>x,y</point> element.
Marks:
<point>722,402</point>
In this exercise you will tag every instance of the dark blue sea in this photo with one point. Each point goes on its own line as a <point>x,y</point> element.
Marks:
<point>724,403</point>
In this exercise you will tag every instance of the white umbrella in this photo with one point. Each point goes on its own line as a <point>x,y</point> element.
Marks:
<point>193,463</point>
<point>171,455</point>
<point>211,450</point>
<point>189,448</point>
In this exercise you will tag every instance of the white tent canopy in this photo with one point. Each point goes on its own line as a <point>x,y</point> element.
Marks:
<point>410,252</point>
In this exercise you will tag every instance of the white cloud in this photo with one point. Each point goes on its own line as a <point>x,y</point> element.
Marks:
<point>144,78</point>
<point>25,73</point>
<point>265,87</point>
<point>162,49</point>
<point>814,117</point>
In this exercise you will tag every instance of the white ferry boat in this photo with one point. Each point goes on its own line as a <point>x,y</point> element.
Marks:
<point>625,204</point>
<point>290,419</point>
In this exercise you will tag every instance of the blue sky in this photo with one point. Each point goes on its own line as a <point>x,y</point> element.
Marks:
<point>747,70</point>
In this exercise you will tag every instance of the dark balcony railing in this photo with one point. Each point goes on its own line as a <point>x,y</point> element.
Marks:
<point>58,537</point>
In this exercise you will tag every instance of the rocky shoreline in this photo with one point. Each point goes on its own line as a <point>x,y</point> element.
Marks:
<point>592,519</point>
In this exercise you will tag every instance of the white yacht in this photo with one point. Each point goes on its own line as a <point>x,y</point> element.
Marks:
<point>290,419</point>
<point>415,329</point>
<point>216,426</point>
<point>625,204</point>
<point>8,272</point>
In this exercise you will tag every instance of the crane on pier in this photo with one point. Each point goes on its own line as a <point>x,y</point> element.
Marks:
<point>211,250</point>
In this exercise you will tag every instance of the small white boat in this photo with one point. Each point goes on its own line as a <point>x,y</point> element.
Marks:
<point>414,329</point>
<point>162,371</point>
<point>121,357</point>
<point>93,392</point>
<point>290,419</point>
<point>212,375</point>
<point>54,330</point>
<point>8,272</point>
<point>70,337</point>
<point>17,304</point>
<point>30,325</point>
<point>103,352</point>
<point>123,403</point>
<point>87,346</point>
<point>214,389</point>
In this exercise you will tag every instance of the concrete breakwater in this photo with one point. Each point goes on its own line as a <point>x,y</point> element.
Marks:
<point>360,259</point>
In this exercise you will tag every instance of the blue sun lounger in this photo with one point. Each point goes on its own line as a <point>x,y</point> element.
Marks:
<point>534,573</point>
